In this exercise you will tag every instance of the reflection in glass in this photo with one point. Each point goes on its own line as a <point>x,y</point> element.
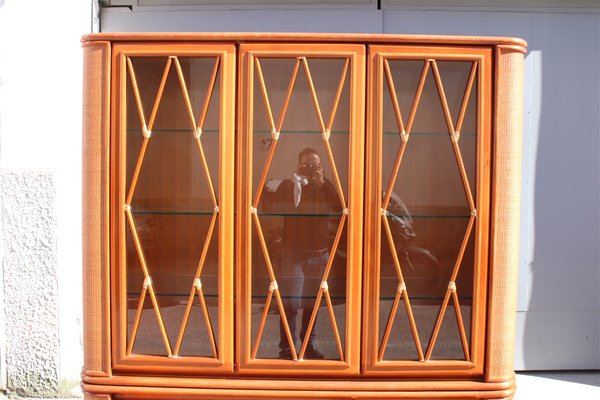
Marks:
<point>300,210</point>
<point>172,205</point>
<point>428,212</point>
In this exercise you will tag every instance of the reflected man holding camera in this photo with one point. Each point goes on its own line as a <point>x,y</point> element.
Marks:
<point>308,199</point>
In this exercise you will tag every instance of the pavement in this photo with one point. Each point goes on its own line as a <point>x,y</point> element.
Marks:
<point>558,385</point>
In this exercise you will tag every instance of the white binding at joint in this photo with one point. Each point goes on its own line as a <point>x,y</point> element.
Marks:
<point>401,287</point>
<point>147,282</point>
<point>383,212</point>
<point>452,286</point>
<point>273,286</point>
<point>324,286</point>
<point>216,209</point>
<point>473,213</point>
<point>455,136</point>
<point>146,132</point>
<point>253,210</point>
<point>126,208</point>
<point>404,136</point>
<point>198,283</point>
<point>198,133</point>
<point>345,211</point>
<point>275,134</point>
<point>326,134</point>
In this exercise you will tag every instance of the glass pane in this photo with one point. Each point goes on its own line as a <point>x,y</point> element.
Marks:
<point>172,207</point>
<point>428,211</point>
<point>300,210</point>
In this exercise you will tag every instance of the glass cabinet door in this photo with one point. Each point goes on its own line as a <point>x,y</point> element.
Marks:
<point>173,148</point>
<point>427,209</point>
<point>300,208</point>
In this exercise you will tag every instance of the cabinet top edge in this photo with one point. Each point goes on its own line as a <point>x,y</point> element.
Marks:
<point>516,44</point>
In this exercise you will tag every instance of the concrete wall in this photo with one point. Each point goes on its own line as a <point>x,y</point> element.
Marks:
<point>40,189</point>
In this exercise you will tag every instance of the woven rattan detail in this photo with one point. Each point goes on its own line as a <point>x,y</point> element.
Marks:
<point>95,212</point>
<point>506,211</point>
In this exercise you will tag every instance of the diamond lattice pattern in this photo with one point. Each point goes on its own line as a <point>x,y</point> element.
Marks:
<point>315,114</point>
<point>417,89</point>
<point>164,96</point>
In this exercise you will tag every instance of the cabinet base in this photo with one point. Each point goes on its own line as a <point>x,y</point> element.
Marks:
<point>129,388</point>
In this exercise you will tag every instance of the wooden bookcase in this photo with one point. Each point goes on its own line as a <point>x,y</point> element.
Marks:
<point>366,187</point>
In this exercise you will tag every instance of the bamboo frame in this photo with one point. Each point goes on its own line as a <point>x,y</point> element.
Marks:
<point>197,129</point>
<point>400,292</point>
<point>147,129</point>
<point>404,133</point>
<point>484,377</point>
<point>276,131</point>
<point>197,289</point>
<point>324,129</point>
<point>454,137</point>
<point>429,57</point>
<point>250,63</point>
<point>147,285</point>
<point>273,288</point>
<point>221,359</point>
<point>323,289</point>
<point>404,137</point>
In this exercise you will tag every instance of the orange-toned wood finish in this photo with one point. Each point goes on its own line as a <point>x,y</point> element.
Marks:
<point>481,67</point>
<point>121,215</point>
<point>385,136</point>
<point>354,67</point>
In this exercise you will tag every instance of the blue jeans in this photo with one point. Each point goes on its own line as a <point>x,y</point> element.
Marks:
<point>296,266</point>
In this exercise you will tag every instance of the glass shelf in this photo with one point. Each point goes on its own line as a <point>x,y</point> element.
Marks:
<point>138,294</point>
<point>260,214</point>
<point>172,212</point>
<point>429,216</point>
<point>163,131</point>
<point>427,298</point>
<point>396,133</point>
<point>299,132</point>
<point>333,215</point>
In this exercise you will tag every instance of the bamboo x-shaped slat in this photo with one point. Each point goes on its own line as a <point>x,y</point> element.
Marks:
<point>454,131</point>
<point>197,283</point>
<point>147,133</point>
<point>404,131</point>
<point>275,132</point>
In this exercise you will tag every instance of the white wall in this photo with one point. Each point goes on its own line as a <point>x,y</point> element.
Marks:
<point>40,161</point>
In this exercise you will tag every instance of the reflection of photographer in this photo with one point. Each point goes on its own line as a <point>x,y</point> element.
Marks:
<point>307,198</point>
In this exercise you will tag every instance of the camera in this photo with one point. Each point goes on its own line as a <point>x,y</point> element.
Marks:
<point>309,170</point>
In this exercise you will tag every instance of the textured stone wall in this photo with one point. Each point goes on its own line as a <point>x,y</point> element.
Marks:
<point>30,281</point>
